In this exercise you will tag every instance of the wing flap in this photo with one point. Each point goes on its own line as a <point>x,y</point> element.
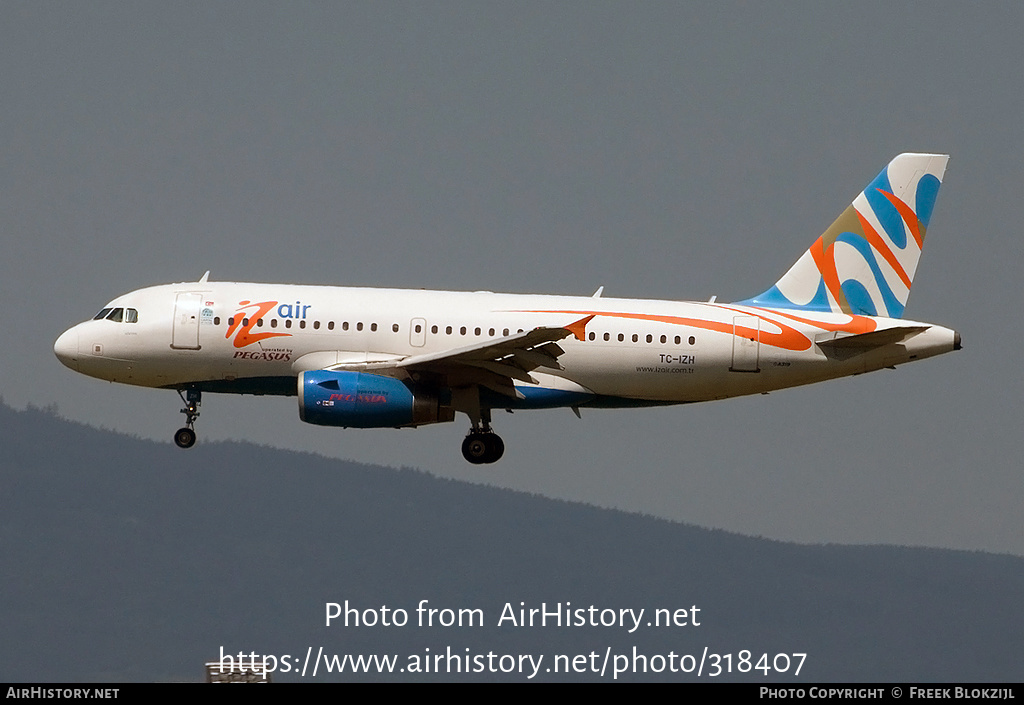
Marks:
<point>504,370</point>
<point>540,356</point>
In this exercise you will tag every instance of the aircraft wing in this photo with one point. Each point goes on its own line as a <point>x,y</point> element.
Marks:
<point>494,363</point>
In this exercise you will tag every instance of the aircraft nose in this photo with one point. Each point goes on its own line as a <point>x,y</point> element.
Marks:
<point>66,348</point>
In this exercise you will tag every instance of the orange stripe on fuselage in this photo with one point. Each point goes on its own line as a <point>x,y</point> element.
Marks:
<point>788,339</point>
<point>857,324</point>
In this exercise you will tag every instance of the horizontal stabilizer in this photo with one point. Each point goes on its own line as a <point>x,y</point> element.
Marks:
<point>850,345</point>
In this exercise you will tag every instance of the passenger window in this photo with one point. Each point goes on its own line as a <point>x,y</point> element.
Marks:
<point>462,330</point>
<point>692,340</point>
<point>635,337</point>
<point>593,335</point>
<point>373,327</point>
<point>359,326</point>
<point>476,332</point>
<point>433,329</point>
<point>448,330</point>
<point>287,323</point>
<point>316,325</point>
<point>273,323</point>
<point>344,326</point>
<point>678,340</point>
<point>650,338</point>
<point>505,332</point>
<point>621,337</point>
<point>259,322</point>
<point>330,325</point>
<point>302,324</point>
<point>394,328</point>
<point>607,337</point>
<point>663,339</point>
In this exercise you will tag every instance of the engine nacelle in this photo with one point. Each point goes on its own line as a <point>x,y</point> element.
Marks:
<point>364,400</point>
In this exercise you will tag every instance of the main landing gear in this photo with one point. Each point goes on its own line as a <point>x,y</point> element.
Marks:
<point>483,446</point>
<point>186,437</point>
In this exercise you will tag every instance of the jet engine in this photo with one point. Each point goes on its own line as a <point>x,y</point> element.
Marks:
<point>364,400</point>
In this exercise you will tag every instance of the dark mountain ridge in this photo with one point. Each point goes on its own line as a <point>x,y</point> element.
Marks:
<point>127,559</point>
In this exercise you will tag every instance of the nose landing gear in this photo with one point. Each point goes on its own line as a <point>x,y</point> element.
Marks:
<point>186,437</point>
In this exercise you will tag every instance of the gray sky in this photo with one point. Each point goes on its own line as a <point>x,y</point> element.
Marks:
<point>663,150</point>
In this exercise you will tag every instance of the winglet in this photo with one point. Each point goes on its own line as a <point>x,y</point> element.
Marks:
<point>203,279</point>
<point>579,328</point>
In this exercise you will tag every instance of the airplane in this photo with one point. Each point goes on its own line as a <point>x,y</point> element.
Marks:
<point>378,358</point>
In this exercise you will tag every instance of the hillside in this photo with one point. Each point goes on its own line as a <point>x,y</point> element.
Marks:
<point>127,559</point>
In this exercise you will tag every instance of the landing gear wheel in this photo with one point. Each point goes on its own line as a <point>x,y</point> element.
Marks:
<point>185,438</point>
<point>474,449</point>
<point>497,448</point>
<point>482,448</point>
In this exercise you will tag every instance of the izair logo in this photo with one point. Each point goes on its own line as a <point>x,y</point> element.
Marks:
<point>250,313</point>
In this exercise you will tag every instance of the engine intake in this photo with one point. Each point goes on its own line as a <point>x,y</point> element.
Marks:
<point>364,400</point>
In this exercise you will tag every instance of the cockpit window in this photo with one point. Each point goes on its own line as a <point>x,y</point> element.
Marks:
<point>118,315</point>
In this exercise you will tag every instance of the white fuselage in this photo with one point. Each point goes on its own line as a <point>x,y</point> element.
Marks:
<point>257,338</point>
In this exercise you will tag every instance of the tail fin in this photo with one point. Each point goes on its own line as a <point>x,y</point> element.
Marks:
<point>865,262</point>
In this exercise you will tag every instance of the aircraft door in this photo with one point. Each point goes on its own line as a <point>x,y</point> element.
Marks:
<point>185,332</point>
<point>746,339</point>
<point>418,332</point>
